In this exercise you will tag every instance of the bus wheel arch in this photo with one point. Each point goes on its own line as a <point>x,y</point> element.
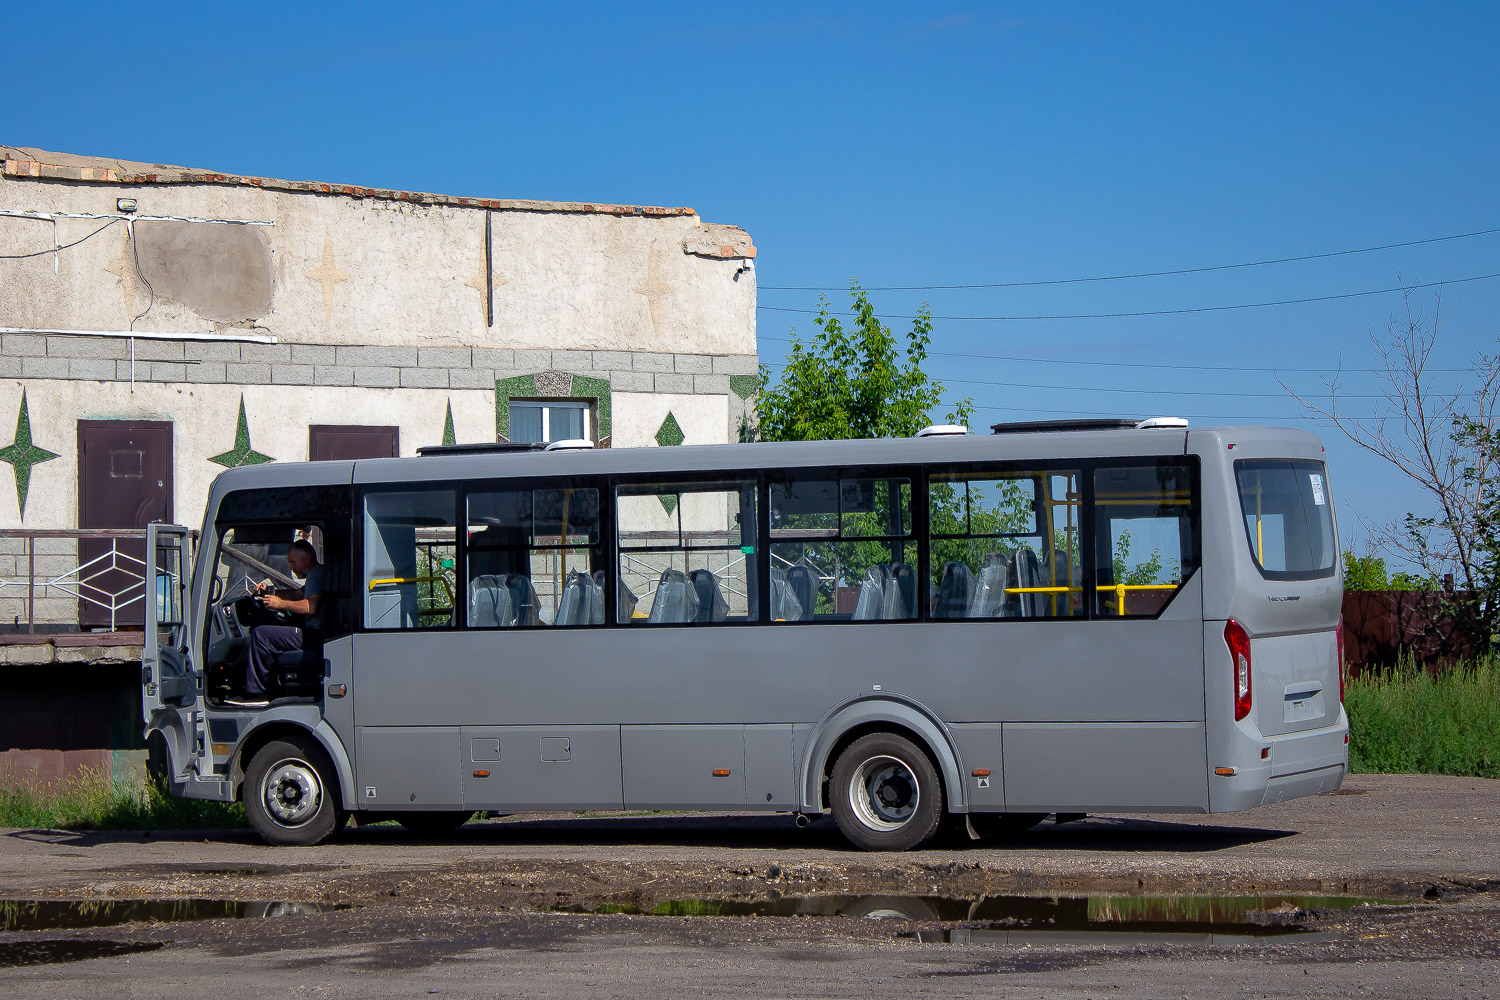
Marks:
<point>293,731</point>
<point>855,720</point>
<point>291,791</point>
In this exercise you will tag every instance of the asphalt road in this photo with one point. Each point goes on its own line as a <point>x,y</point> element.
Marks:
<point>493,910</point>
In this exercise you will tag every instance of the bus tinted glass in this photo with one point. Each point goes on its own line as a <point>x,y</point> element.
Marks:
<point>1145,542</point>
<point>534,558</point>
<point>687,553</point>
<point>410,548</point>
<point>1288,518</point>
<point>842,549</point>
<point>1005,544</point>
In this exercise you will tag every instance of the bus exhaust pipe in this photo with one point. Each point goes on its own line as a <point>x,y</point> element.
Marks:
<point>803,820</point>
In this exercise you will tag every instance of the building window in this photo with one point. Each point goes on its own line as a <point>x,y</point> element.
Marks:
<point>546,420</point>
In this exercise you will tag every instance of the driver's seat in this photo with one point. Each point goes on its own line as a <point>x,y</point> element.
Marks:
<point>299,673</point>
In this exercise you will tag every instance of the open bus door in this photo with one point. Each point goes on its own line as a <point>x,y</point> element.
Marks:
<point>170,687</point>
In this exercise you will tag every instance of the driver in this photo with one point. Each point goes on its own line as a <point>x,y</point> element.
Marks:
<point>266,641</point>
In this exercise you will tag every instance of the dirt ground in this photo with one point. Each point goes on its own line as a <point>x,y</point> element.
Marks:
<point>494,909</point>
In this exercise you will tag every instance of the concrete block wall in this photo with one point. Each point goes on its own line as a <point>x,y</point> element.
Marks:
<point>108,359</point>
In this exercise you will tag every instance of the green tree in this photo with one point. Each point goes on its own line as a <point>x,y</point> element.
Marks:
<point>1365,572</point>
<point>853,381</point>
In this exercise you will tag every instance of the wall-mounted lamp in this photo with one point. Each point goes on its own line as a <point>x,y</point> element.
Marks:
<point>748,265</point>
<point>126,205</point>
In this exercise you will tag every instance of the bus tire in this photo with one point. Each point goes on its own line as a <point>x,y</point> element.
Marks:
<point>431,824</point>
<point>291,794</point>
<point>886,794</point>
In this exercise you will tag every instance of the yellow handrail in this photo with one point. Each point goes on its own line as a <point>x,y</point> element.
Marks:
<point>416,579</point>
<point>1120,589</point>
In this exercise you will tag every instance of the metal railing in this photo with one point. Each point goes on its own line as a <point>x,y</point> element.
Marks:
<point>58,584</point>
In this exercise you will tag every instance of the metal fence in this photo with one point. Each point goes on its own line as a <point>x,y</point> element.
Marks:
<point>72,579</point>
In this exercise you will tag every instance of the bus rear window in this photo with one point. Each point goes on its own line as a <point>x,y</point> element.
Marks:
<point>1288,518</point>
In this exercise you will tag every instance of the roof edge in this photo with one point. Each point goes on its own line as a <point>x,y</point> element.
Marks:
<point>41,165</point>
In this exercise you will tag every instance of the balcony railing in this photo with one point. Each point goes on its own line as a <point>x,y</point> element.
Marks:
<point>73,579</point>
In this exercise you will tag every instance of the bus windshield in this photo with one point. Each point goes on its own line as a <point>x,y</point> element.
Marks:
<point>1288,518</point>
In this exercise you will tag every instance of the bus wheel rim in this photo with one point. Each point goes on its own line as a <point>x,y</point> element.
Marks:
<point>884,793</point>
<point>292,792</point>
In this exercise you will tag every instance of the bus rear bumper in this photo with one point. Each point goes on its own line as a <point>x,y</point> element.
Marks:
<point>1306,763</point>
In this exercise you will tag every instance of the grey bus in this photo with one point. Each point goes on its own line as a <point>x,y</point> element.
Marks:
<point>982,629</point>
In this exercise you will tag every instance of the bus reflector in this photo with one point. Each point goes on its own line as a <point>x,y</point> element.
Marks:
<point>1238,641</point>
<point>1224,772</point>
<point>981,772</point>
<point>721,772</point>
<point>221,749</point>
<point>1265,753</point>
<point>481,774</point>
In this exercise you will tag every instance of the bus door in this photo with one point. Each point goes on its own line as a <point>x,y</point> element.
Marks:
<point>170,686</point>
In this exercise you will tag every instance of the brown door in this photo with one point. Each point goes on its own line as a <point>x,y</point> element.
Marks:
<point>124,481</point>
<point>341,442</point>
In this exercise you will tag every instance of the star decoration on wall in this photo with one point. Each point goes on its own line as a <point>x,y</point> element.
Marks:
<point>449,437</point>
<point>329,275</point>
<point>22,453</point>
<point>241,453</point>
<point>669,435</point>
<point>653,288</point>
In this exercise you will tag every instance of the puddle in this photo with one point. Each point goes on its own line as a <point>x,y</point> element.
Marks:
<point>55,914</point>
<point>1036,919</point>
<point>14,953</point>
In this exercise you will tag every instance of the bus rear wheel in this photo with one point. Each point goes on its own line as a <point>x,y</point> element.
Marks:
<point>291,794</point>
<point>885,793</point>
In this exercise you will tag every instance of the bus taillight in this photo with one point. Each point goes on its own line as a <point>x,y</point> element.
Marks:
<point>1342,669</point>
<point>1238,641</point>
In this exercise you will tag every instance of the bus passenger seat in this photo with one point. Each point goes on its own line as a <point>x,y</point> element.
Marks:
<point>625,599</point>
<point>900,593</point>
<point>872,594</point>
<point>784,604</point>
<point>805,586</point>
<point>675,601</point>
<point>489,603</point>
<point>955,592</point>
<point>989,598</point>
<point>711,604</point>
<point>522,599</point>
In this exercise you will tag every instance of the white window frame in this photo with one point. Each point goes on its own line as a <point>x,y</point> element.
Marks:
<point>547,405</point>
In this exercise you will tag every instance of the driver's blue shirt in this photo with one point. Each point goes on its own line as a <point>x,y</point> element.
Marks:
<point>314,586</point>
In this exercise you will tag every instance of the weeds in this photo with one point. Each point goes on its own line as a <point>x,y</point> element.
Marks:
<point>1404,720</point>
<point>94,800</point>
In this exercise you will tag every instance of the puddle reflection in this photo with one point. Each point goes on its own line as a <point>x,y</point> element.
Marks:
<point>1005,919</point>
<point>57,914</point>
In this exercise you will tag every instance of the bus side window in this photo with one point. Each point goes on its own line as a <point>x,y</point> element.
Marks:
<point>1145,542</point>
<point>842,550</point>
<point>1004,545</point>
<point>686,553</point>
<point>409,554</point>
<point>531,558</point>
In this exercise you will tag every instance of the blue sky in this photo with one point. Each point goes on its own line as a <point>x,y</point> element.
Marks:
<point>900,144</point>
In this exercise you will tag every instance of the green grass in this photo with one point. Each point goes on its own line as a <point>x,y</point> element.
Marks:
<point>95,801</point>
<point>1405,721</point>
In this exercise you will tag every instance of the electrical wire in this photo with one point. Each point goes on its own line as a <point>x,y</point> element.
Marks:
<point>1157,366</point>
<point>65,246</point>
<point>1158,312</point>
<point>135,251</point>
<point>1143,392</point>
<point>1142,274</point>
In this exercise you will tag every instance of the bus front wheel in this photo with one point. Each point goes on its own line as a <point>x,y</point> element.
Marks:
<point>886,795</point>
<point>291,794</point>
